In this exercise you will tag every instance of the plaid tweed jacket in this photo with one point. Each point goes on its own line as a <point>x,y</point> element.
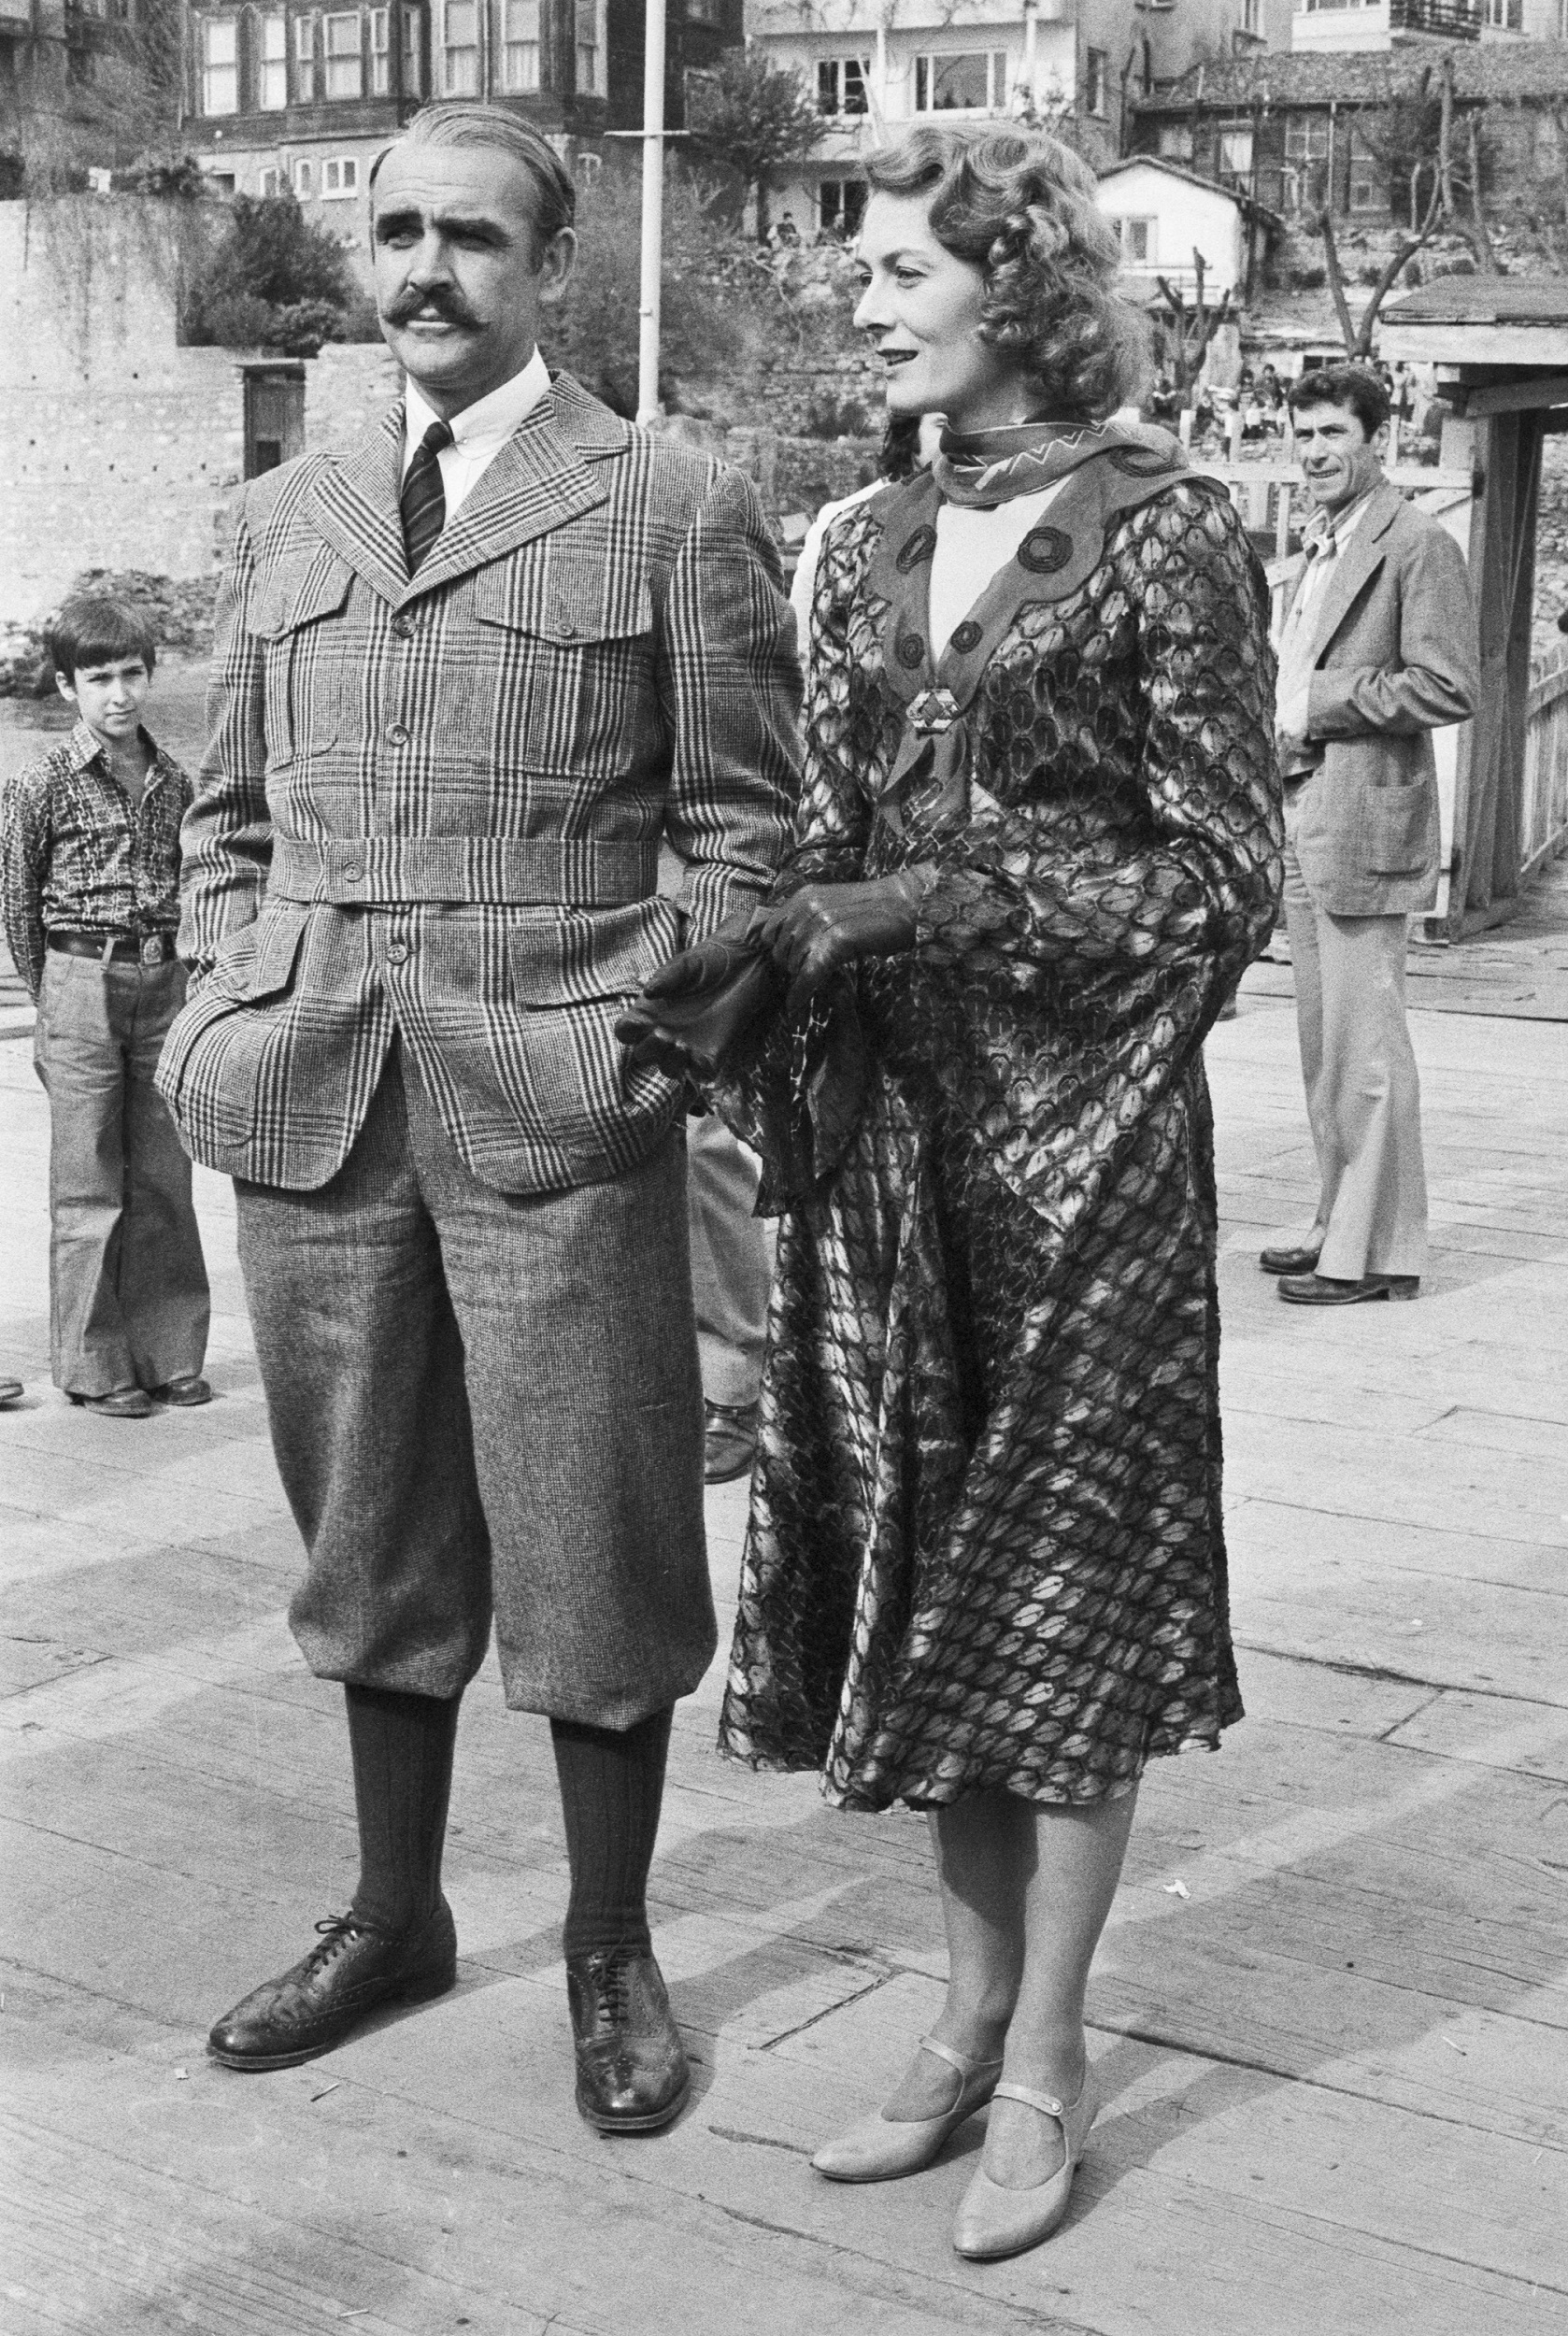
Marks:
<point>435,805</point>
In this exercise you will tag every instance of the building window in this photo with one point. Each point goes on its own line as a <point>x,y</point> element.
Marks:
<point>520,44</point>
<point>345,57</point>
<point>1369,185</point>
<point>1252,19</point>
<point>1505,16</point>
<point>1095,80</point>
<point>591,47</point>
<point>460,48</point>
<point>305,60</point>
<point>1236,153</point>
<point>1137,239</point>
<point>380,58</point>
<point>975,82</point>
<point>840,207</point>
<point>339,177</point>
<point>413,63</point>
<point>1175,141</point>
<point>305,180</point>
<point>274,89</point>
<point>1307,138</point>
<point>219,65</point>
<point>269,184</point>
<point>705,12</point>
<point>841,85</point>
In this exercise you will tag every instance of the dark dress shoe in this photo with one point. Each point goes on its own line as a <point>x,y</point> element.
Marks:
<point>355,1969</point>
<point>1287,1260</point>
<point>11,1390</point>
<point>1321,1289</point>
<point>183,1393</point>
<point>732,1442</point>
<point>632,2076</point>
<point>125,1402</point>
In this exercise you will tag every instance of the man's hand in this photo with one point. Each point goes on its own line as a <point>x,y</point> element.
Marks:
<point>1291,718</point>
<point>823,927</point>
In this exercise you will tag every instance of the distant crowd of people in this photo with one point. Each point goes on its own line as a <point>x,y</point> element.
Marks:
<point>942,957</point>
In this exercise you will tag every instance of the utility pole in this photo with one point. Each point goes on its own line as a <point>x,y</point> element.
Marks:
<point>653,210</point>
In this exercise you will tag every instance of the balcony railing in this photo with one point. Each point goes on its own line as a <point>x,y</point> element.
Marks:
<point>1445,20</point>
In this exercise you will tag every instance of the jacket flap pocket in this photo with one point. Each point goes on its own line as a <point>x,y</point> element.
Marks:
<point>559,956</point>
<point>259,962</point>
<point>570,605</point>
<point>1397,824</point>
<point>303,586</point>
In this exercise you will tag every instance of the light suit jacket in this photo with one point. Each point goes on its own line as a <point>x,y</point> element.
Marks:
<point>434,806</point>
<point>1394,657</point>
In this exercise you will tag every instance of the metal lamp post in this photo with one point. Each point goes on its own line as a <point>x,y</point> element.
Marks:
<point>653,211</point>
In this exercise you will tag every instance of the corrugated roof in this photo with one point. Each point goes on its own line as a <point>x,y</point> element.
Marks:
<point>1499,70</point>
<point>1483,300</point>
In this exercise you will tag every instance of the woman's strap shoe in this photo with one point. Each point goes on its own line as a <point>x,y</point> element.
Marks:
<point>882,2148</point>
<point>993,2220</point>
<point>317,2004</point>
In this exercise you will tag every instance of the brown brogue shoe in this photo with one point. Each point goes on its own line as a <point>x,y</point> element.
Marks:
<point>318,2003</point>
<point>632,2076</point>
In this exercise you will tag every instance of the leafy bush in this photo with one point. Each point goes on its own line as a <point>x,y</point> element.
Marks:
<point>273,282</point>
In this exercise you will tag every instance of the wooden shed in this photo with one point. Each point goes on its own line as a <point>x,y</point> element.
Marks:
<point>1499,345</point>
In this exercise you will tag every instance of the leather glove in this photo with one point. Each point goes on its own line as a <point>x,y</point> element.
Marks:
<point>696,1003</point>
<point>824,927</point>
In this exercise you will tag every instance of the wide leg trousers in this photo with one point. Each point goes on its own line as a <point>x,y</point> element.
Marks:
<point>731,1262</point>
<point>484,1403</point>
<point>1363,1096</point>
<point>129,1305</point>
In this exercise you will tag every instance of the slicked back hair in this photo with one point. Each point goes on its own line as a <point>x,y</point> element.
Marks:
<point>555,198</point>
<point>1355,389</point>
<point>98,629</point>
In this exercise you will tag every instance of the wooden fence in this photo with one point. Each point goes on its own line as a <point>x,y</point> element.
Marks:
<point>1544,797</point>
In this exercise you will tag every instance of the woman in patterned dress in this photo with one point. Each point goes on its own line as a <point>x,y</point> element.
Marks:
<point>1038,839</point>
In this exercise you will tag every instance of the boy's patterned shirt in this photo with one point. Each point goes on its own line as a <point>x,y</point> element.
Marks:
<point>77,857</point>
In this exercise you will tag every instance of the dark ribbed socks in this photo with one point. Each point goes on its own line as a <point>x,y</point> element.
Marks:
<point>612,1783</point>
<point>402,1747</point>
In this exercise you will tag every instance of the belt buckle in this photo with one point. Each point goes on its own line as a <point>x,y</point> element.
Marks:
<point>153,948</point>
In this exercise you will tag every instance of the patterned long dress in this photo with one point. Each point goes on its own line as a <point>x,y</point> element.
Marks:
<point>985,1546</point>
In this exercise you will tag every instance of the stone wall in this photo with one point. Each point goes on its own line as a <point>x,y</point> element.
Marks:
<point>120,449</point>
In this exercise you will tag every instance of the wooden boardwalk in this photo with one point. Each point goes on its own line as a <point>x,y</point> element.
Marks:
<point>1334,2058</point>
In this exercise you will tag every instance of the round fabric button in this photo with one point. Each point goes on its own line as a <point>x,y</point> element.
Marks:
<point>352,872</point>
<point>405,628</point>
<point>397,953</point>
<point>398,734</point>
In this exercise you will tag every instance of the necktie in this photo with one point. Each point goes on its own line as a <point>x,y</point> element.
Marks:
<point>424,499</point>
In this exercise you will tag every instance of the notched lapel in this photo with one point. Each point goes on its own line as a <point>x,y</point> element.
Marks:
<point>354,506</point>
<point>538,482</point>
<point>1365,553</point>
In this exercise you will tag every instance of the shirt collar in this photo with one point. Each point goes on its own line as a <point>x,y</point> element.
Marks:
<point>86,747</point>
<point>482,429</point>
<point>1340,525</point>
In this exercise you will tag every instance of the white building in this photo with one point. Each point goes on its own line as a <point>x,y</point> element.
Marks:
<point>1163,215</point>
<point>878,66</point>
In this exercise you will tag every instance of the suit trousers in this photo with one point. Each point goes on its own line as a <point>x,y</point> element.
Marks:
<point>731,1262</point>
<point>486,1403</point>
<point>1363,1097</point>
<point>127,1285</point>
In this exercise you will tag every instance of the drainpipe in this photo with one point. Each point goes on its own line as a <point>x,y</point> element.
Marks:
<point>1031,50</point>
<point>653,210</point>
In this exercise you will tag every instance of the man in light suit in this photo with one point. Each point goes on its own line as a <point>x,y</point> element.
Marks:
<point>1379,651</point>
<point>469,675</point>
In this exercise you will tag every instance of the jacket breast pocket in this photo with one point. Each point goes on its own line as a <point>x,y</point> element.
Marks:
<point>1396,828</point>
<point>565,680</point>
<point>309,679</point>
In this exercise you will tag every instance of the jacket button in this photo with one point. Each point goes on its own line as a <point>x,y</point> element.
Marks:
<point>398,734</point>
<point>566,629</point>
<point>405,628</point>
<point>397,953</point>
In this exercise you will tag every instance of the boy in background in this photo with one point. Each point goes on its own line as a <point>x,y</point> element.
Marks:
<point>89,890</point>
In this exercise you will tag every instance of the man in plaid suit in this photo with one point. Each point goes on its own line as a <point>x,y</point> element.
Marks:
<point>467,677</point>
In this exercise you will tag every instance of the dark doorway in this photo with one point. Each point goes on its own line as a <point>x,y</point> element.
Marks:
<point>273,416</point>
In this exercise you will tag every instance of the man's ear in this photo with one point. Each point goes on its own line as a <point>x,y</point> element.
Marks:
<point>66,688</point>
<point>555,271</point>
<point>1380,441</point>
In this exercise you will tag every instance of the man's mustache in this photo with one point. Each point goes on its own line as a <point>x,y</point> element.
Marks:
<point>439,300</point>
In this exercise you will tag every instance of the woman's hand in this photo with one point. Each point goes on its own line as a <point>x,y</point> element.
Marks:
<point>823,927</point>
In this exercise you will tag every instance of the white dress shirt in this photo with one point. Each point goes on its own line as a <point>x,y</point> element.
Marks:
<point>1291,718</point>
<point>478,433</point>
<point>971,546</point>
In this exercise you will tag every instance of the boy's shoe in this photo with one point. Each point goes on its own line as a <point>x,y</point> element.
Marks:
<point>12,1391</point>
<point>124,1402</point>
<point>731,1440</point>
<point>183,1393</point>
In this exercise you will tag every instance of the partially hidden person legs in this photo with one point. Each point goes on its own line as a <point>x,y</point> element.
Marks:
<point>1026,1890</point>
<point>164,1290</point>
<point>731,1273</point>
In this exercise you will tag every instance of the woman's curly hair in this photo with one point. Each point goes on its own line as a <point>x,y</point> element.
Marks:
<point>1020,205</point>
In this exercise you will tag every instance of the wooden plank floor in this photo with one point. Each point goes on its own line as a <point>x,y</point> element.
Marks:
<point>1335,2061</point>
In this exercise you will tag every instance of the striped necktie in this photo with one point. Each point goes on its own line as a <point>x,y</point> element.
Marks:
<point>424,498</point>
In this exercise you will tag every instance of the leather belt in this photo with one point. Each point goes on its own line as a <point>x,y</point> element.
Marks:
<point>405,870</point>
<point>146,948</point>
